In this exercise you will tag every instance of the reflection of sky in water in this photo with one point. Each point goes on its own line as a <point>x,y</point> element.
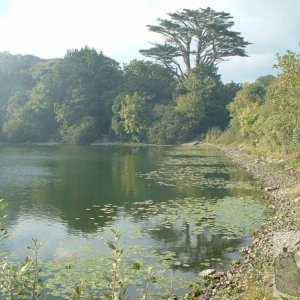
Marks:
<point>56,194</point>
<point>23,175</point>
<point>52,234</point>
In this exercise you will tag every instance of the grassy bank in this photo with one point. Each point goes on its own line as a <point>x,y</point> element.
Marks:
<point>276,155</point>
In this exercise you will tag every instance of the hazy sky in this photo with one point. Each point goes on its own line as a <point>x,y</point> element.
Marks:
<point>47,28</point>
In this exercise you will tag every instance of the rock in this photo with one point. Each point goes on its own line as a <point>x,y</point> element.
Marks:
<point>217,275</point>
<point>207,272</point>
<point>191,143</point>
<point>230,249</point>
<point>297,200</point>
<point>271,188</point>
<point>244,250</point>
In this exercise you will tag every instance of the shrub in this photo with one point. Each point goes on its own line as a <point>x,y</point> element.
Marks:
<point>83,132</point>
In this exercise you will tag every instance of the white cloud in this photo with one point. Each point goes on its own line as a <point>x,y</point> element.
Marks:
<point>48,28</point>
<point>247,69</point>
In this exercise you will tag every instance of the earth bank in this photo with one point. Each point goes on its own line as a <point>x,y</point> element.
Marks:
<point>252,277</point>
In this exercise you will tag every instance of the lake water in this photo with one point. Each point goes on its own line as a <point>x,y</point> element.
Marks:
<point>178,209</point>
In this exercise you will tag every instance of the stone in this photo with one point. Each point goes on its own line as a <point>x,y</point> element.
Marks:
<point>230,249</point>
<point>271,188</point>
<point>207,272</point>
<point>217,275</point>
<point>297,200</point>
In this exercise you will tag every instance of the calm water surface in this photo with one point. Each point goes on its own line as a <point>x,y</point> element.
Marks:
<point>178,209</point>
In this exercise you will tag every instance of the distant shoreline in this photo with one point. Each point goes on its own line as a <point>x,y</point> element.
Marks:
<point>88,144</point>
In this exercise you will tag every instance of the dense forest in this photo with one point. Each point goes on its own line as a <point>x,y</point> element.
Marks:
<point>265,115</point>
<point>177,96</point>
<point>87,96</point>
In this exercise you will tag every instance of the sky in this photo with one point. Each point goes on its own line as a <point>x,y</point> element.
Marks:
<point>118,28</point>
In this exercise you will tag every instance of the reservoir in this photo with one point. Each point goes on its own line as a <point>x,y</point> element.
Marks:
<point>179,210</point>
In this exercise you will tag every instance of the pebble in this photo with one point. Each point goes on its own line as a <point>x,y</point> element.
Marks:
<point>216,275</point>
<point>276,183</point>
<point>207,272</point>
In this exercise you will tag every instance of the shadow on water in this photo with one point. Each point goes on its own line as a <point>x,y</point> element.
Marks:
<point>179,203</point>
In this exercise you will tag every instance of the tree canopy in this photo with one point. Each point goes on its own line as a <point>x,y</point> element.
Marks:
<point>194,38</point>
<point>83,86</point>
<point>266,113</point>
<point>86,96</point>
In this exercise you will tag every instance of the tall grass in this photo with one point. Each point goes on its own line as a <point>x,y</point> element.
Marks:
<point>215,135</point>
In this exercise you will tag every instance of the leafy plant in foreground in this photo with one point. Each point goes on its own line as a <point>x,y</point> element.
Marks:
<point>118,283</point>
<point>22,281</point>
<point>2,228</point>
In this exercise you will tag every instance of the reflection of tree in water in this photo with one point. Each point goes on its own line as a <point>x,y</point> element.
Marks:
<point>192,250</point>
<point>199,230</point>
<point>79,178</point>
<point>82,178</point>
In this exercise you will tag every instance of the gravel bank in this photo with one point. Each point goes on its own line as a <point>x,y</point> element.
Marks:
<point>252,277</point>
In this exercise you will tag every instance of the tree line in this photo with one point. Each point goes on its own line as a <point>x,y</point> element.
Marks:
<point>87,95</point>
<point>175,97</point>
<point>265,114</point>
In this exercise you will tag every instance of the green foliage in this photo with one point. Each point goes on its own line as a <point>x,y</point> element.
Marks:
<point>15,79</point>
<point>83,85</point>
<point>32,121</point>
<point>38,96</point>
<point>85,95</point>
<point>266,112</point>
<point>148,78</point>
<point>170,127</point>
<point>213,134</point>
<point>217,113</point>
<point>190,103</point>
<point>200,103</point>
<point>146,85</point>
<point>2,207</point>
<point>151,278</point>
<point>134,113</point>
<point>280,114</point>
<point>246,107</point>
<point>118,283</point>
<point>79,291</point>
<point>25,113</point>
<point>201,100</point>
<point>82,132</point>
<point>201,36</point>
<point>23,281</point>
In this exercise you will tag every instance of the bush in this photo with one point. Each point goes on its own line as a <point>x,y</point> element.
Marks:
<point>213,134</point>
<point>216,136</point>
<point>83,132</point>
<point>171,127</point>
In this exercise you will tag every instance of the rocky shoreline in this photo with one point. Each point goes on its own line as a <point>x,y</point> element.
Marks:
<point>252,277</point>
